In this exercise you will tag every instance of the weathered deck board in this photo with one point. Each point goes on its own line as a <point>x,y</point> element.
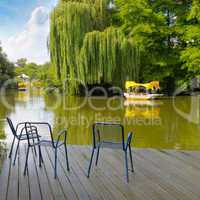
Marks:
<point>159,174</point>
<point>24,186</point>
<point>54,184</point>
<point>4,178</point>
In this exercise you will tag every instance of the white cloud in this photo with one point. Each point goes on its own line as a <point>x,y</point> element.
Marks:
<point>32,42</point>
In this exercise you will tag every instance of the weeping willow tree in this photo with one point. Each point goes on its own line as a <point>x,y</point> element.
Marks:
<point>84,47</point>
<point>69,24</point>
<point>108,57</point>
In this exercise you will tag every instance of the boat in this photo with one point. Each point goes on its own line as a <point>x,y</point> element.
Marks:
<point>22,83</point>
<point>142,91</point>
<point>22,86</point>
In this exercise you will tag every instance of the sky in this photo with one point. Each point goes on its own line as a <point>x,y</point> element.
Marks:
<point>24,29</point>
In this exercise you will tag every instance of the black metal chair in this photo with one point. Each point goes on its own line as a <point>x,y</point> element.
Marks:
<point>19,134</point>
<point>111,135</point>
<point>55,144</point>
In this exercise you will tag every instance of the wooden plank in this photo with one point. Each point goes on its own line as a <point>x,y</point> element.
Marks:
<point>190,174</point>
<point>186,158</point>
<point>73,177</point>
<point>152,189</point>
<point>170,172</point>
<point>91,188</point>
<point>113,173</point>
<point>35,189</point>
<point>65,184</point>
<point>104,184</point>
<point>116,170</point>
<point>4,177</point>
<point>24,185</point>
<point>93,185</point>
<point>164,174</point>
<point>13,186</point>
<point>46,190</point>
<point>57,189</point>
<point>156,172</point>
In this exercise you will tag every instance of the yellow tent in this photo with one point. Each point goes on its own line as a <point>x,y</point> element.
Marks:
<point>153,85</point>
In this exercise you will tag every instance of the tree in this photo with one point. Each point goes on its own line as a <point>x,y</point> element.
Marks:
<point>85,44</point>
<point>166,32</point>
<point>191,54</point>
<point>6,68</point>
<point>41,72</point>
<point>158,27</point>
<point>21,62</point>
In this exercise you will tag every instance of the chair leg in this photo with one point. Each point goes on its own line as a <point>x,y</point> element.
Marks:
<point>67,160</point>
<point>11,149</point>
<point>34,147</point>
<point>97,157</point>
<point>42,160</point>
<point>126,166</point>
<point>26,163</point>
<point>89,168</point>
<point>16,152</point>
<point>40,156</point>
<point>131,159</point>
<point>55,164</point>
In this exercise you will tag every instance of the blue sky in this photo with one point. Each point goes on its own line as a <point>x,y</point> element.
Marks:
<point>25,21</point>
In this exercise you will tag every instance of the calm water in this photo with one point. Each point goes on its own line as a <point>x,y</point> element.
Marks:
<point>168,123</point>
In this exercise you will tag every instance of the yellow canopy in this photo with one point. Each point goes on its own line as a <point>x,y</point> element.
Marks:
<point>152,85</point>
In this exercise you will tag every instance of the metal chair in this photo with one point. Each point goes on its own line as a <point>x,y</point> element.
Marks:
<point>55,144</point>
<point>19,134</point>
<point>111,135</point>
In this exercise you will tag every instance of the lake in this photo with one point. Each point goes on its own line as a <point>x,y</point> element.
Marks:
<point>170,123</point>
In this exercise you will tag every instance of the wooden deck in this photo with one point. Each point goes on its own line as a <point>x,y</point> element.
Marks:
<point>158,175</point>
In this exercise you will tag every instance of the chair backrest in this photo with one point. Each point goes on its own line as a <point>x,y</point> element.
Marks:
<point>109,133</point>
<point>31,132</point>
<point>39,126</point>
<point>11,126</point>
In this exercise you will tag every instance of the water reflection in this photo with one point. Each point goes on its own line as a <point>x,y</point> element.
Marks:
<point>144,111</point>
<point>156,124</point>
<point>7,104</point>
<point>3,154</point>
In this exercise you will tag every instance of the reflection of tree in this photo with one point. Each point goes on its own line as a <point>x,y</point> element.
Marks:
<point>193,108</point>
<point>173,132</point>
<point>3,150</point>
<point>149,112</point>
<point>169,131</point>
<point>79,121</point>
<point>5,109</point>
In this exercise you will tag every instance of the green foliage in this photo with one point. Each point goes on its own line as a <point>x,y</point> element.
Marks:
<point>6,68</point>
<point>69,23</point>
<point>161,28</point>
<point>195,11</point>
<point>82,48</point>
<point>21,62</point>
<point>108,57</point>
<point>41,72</point>
<point>140,39</point>
<point>191,56</point>
<point>191,53</point>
